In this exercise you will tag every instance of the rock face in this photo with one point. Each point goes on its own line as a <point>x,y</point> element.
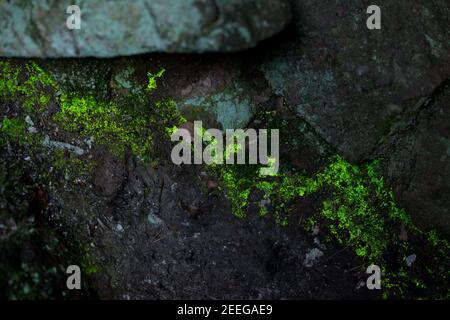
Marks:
<point>364,92</point>
<point>218,91</point>
<point>418,161</point>
<point>428,191</point>
<point>375,93</point>
<point>115,28</point>
<point>333,86</point>
<point>353,84</point>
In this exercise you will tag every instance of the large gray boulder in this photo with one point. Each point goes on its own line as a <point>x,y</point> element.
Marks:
<point>417,161</point>
<point>38,28</point>
<point>367,92</point>
<point>352,84</point>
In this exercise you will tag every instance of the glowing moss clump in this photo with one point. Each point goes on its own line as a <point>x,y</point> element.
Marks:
<point>107,123</point>
<point>358,204</point>
<point>34,89</point>
<point>238,189</point>
<point>152,77</point>
<point>131,122</point>
<point>358,210</point>
<point>12,130</point>
<point>360,207</point>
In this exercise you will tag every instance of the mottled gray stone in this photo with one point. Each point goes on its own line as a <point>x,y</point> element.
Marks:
<point>38,28</point>
<point>62,145</point>
<point>353,84</point>
<point>417,162</point>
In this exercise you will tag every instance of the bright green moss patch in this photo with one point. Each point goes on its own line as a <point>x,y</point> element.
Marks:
<point>12,130</point>
<point>152,78</point>
<point>34,88</point>
<point>107,123</point>
<point>130,123</point>
<point>360,207</point>
<point>237,187</point>
<point>358,210</point>
<point>117,127</point>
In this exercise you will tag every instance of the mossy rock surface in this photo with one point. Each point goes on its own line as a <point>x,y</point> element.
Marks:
<point>92,135</point>
<point>353,84</point>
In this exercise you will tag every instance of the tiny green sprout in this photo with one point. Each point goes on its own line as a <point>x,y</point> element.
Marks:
<point>152,85</point>
<point>13,130</point>
<point>171,130</point>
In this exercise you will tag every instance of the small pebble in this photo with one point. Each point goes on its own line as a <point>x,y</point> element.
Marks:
<point>119,228</point>
<point>410,260</point>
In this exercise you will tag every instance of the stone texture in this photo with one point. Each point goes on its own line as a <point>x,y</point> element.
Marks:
<point>115,28</point>
<point>220,95</point>
<point>363,92</point>
<point>367,94</point>
<point>417,162</point>
<point>375,94</point>
<point>353,84</point>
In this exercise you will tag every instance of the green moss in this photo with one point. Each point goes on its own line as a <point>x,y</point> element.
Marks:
<point>87,261</point>
<point>9,79</point>
<point>236,181</point>
<point>35,90</point>
<point>152,85</point>
<point>359,206</point>
<point>167,116</point>
<point>120,126</point>
<point>237,188</point>
<point>358,210</point>
<point>109,124</point>
<point>129,123</point>
<point>12,130</point>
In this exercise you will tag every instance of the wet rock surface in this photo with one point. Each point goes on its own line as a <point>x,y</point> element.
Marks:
<point>167,231</point>
<point>417,160</point>
<point>161,231</point>
<point>356,88</point>
<point>353,84</point>
<point>117,28</point>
